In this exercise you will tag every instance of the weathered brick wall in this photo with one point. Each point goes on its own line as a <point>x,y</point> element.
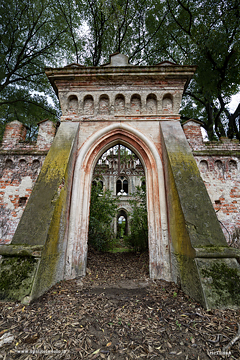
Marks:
<point>14,133</point>
<point>20,164</point>
<point>219,164</point>
<point>46,133</point>
<point>192,130</point>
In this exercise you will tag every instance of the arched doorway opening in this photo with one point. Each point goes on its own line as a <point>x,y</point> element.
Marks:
<point>122,223</point>
<point>121,172</point>
<point>95,146</point>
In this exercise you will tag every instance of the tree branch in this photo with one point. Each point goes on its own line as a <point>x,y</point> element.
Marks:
<point>177,22</point>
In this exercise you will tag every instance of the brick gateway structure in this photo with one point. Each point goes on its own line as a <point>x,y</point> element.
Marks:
<point>137,107</point>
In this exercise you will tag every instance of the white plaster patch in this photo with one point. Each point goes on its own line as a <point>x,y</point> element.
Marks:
<point>10,190</point>
<point>20,190</point>
<point>26,183</point>
<point>45,136</point>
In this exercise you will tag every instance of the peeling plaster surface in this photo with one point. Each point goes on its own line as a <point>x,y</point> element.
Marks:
<point>20,164</point>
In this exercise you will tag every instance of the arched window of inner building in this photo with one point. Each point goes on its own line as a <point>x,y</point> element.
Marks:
<point>122,186</point>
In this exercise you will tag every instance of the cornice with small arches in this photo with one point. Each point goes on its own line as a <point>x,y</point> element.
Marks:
<point>129,103</point>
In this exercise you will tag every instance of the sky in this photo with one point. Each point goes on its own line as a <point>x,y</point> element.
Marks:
<point>234,102</point>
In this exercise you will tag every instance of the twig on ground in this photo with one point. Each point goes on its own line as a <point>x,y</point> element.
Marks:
<point>219,338</point>
<point>232,342</point>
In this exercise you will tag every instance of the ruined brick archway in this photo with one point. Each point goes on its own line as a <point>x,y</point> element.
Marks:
<point>97,144</point>
<point>137,107</point>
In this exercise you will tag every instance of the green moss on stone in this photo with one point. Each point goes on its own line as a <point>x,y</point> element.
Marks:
<point>24,152</point>
<point>224,281</point>
<point>215,152</point>
<point>212,248</point>
<point>16,277</point>
<point>194,201</point>
<point>21,250</point>
<point>40,207</point>
<point>189,277</point>
<point>179,235</point>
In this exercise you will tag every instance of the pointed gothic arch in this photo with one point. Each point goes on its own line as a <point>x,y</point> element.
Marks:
<point>89,153</point>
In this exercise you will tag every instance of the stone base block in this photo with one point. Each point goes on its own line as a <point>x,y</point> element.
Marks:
<point>214,283</point>
<point>220,282</point>
<point>17,275</point>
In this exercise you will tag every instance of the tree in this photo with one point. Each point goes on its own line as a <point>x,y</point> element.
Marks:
<point>206,33</point>
<point>72,17</point>
<point>115,26</point>
<point>30,34</point>
<point>216,40</point>
<point>103,208</point>
<point>200,32</point>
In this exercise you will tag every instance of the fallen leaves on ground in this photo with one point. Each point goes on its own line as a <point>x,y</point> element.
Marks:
<point>116,312</point>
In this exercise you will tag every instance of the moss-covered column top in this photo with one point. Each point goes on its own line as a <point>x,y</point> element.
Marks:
<point>34,224</point>
<point>199,216</point>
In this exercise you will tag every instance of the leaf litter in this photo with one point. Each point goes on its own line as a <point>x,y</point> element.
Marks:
<point>117,312</point>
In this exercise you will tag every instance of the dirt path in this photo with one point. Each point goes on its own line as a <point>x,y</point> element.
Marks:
<point>116,312</point>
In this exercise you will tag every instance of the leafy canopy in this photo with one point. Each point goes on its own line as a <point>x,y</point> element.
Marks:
<point>35,33</point>
<point>32,35</point>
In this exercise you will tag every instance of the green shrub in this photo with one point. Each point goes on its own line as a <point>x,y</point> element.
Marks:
<point>103,208</point>
<point>138,238</point>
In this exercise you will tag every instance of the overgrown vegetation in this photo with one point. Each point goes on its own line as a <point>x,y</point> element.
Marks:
<point>103,208</point>
<point>138,238</point>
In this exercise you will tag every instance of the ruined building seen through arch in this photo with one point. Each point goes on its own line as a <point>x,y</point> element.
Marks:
<point>120,171</point>
<point>136,107</point>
